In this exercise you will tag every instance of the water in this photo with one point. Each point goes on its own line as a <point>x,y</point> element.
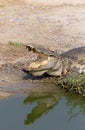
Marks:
<point>38,111</point>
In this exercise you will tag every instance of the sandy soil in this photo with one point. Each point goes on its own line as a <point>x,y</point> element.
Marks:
<point>53,24</point>
<point>58,25</point>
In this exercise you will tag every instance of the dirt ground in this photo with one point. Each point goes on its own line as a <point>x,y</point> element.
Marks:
<point>53,24</point>
<point>57,25</point>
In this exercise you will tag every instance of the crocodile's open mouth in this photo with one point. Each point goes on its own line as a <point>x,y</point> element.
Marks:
<point>46,62</point>
<point>41,65</point>
<point>40,61</point>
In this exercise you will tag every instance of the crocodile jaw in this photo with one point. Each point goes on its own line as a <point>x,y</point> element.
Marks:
<point>51,66</point>
<point>36,65</point>
<point>40,67</point>
<point>33,68</point>
<point>57,70</point>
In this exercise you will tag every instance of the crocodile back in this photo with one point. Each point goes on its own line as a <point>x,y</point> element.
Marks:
<point>76,54</point>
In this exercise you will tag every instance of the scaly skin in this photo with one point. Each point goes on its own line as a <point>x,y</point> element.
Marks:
<point>75,60</point>
<point>55,64</point>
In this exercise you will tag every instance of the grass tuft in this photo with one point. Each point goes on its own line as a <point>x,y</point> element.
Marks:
<point>73,82</point>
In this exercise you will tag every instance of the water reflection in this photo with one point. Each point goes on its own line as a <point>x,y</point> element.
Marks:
<point>60,110</point>
<point>45,102</point>
<point>75,104</point>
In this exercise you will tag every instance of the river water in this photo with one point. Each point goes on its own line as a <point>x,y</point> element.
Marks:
<point>43,111</point>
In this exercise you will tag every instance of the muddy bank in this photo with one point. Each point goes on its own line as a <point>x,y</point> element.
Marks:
<point>14,80</point>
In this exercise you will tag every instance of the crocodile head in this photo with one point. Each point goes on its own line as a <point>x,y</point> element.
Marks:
<point>47,62</point>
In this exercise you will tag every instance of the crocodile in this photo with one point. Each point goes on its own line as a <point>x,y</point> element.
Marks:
<point>55,64</point>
